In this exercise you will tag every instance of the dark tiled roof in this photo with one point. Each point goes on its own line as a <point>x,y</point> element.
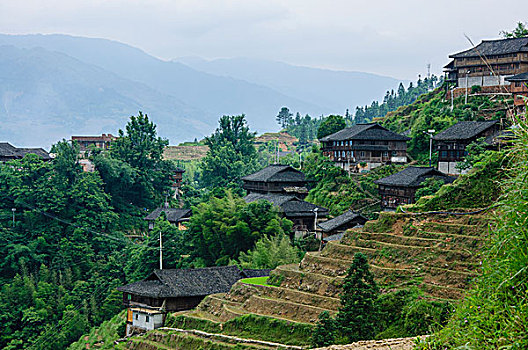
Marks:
<point>276,173</point>
<point>336,237</point>
<point>342,219</point>
<point>289,205</point>
<point>411,177</point>
<point>275,199</point>
<point>370,131</point>
<point>8,150</point>
<point>464,130</point>
<point>495,47</point>
<point>172,283</point>
<point>519,77</point>
<point>256,272</point>
<point>172,214</point>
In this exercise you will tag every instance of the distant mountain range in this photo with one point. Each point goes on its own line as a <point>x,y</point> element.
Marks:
<point>53,86</point>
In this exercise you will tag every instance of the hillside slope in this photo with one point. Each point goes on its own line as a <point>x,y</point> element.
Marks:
<point>335,90</point>
<point>46,96</point>
<point>213,95</point>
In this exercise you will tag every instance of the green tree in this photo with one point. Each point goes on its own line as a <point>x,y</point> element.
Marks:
<point>134,171</point>
<point>357,314</point>
<point>270,252</point>
<point>231,153</point>
<point>330,125</point>
<point>221,228</point>
<point>520,31</point>
<point>325,331</point>
<point>284,118</point>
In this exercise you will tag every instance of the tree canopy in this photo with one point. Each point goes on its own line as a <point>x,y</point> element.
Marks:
<point>520,31</point>
<point>357,315</point>
<point>284,118</point>
<point>231,153</point>
<point>221,228</point>
<point>330,125</point>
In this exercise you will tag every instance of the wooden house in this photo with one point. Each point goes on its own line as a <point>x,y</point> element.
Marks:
<point>301,213</point>
<point>87,142</point>
<point>400,188</point>
<point>519,90</point>
<point>175,216</point>
<point>9,152</point>
<point>452,142</point>
<point>277,179</point>
<point>489,63</point>
<point>333,229</point>
<point>364,147</point>
<point>171,290</point>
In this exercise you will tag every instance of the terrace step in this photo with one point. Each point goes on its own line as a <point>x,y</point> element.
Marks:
<point>293,278</point>
<point>316,263</point>
<point>395,255</point>
<point>445,241</point>
<point>242,291</point>
<point>450,228</point>
<point>215,306</point>
<point>283,308</point>
<point>174,338</point>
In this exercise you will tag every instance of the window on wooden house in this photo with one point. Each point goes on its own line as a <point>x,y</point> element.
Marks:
<point>147,319</point>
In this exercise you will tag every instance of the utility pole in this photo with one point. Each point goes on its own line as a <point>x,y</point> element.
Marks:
<point>467,75</point>
<point>277,161</point>
<point>161,252</point>
<point>430,132</point>
<point>13,210</point>
<point>452,98</point>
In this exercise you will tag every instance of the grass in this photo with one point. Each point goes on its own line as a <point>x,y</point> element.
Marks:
<point>249,326</point>
<point>259,281</point>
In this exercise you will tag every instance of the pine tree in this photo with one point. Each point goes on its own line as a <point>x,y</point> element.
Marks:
<point>325,330</point>
<point>357,314</point>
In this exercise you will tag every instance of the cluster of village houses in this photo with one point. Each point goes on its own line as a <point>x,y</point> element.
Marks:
<point>496,66</point>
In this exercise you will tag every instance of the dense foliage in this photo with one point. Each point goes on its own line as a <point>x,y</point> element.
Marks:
<point>134,173</point>
<point>479,188</point>
<point>392,100</point>
<point>338,191</point>
<point>221,228</point>
<point>60,261</point>
<point>356,318</point>
<point>325,331</point>
<point>231,153</point>
<point>330,125</point>
<point>270,252</point>
<point>433,111</point>
<point>493,314</point>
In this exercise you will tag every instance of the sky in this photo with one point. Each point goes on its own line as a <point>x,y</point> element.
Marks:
<point>394,38</point>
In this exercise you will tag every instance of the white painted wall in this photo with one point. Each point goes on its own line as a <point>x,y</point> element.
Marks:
<point>139,319</point>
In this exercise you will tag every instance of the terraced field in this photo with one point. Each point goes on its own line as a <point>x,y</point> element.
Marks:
<point>439,254</point>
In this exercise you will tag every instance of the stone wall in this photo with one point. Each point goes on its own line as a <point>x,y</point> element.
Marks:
<point>385,344</point>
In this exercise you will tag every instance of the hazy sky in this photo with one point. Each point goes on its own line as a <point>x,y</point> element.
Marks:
<point>396,38</point>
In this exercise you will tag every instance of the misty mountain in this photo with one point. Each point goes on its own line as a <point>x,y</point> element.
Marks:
<point>335,90</point>
<point>53,86</point>
<point>215,95</point>
<point>46,96</point>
